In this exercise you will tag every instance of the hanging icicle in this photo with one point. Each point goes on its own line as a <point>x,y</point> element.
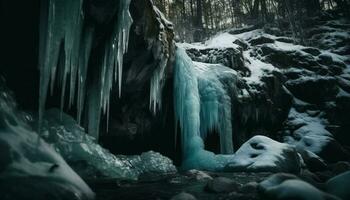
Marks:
<point>65,48</point>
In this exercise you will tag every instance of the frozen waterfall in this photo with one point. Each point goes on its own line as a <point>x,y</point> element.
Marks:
<point>65,45</point>
<point>202,105</point>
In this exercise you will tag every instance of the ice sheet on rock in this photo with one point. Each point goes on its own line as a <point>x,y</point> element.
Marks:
<point>29,164</point>
<point>89,159</point>
<point>261,153</point>
<point>187,104</point>
<point>312,134</point>
<point>215,102</point>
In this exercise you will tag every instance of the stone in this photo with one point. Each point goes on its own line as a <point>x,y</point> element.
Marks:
<point>222,185</point>
<point>183,196</point>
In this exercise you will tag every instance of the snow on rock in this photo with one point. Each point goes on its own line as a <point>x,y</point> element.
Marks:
<point>30,168</point>
<point>310,133</point>
<point>286,186</point>
<point>89,159</point>
<point>261,153</point>
<point>227,40</point>
<point>257,68</point>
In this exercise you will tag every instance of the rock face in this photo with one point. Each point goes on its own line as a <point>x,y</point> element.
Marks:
<point>262,154</point>
<point>293,92</point>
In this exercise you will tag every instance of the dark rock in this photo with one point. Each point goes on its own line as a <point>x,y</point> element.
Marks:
<point>312,161</point>
<point>249,187</point>
<point>334,152</point>
<point>198,175</point>
<point>340,167</point>
<point>313,90</point>
<point>312,51</point>
<point>241,43</point>
<point>222,185</point>
<point>285,40</point>
<point>230,57</point>
<point>261,40</point>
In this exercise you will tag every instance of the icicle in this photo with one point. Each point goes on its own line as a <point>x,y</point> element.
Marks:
<point>162,54</point>
<point>156,86</point>
<point>60,22</point>
<point>94,110</point>
<point>61,26</point>
<point>85,49</point>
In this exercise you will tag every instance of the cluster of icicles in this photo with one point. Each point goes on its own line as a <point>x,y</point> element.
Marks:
<point>201,102</point>
<point>65,46</point>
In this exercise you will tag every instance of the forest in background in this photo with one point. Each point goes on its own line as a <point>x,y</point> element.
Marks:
<point>195,20</point>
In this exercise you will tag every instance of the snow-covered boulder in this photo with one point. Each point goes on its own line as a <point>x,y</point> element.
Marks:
<point>286,186</point>
<point>89,159</point>
<point>29,167</point>
<point>308,131</point>
<point>261,153</point>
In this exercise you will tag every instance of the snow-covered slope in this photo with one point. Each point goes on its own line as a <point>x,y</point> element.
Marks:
<point>29,167</point>
<point>302,89</point>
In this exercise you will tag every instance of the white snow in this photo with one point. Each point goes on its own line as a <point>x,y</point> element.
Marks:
<point>257,68</point>
<point>30,164</point>
<point>262,153</point>
<point>225,40</point>
<point>312,135</point>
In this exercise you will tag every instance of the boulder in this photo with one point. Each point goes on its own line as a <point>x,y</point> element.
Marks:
<point>198,175</point>
<point>262,154</point>
<point>183,196</point>
<point>222,185</point>
<point>261,40</point>
<point>339,185</point>
<point>286,186</point>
